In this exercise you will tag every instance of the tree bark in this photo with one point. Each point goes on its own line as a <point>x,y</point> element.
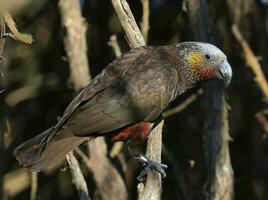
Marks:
<point>219,184</point>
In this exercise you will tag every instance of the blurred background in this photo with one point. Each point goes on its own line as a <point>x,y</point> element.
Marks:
<point>37,89</point>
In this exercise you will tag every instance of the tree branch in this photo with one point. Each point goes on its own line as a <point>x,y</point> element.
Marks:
<point>108,180</point>
<point>75,42</point>
<point>2,44</point>
<point>252,62</point>
<point>153,186</point>
<point>78,178</point>
<point>128,23</point>
<point>76,48</point>
<point>183,105</point>
<point>145,25</point>
<point>34,185</point>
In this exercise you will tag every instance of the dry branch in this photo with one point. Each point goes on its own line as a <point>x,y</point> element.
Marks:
<point>76,48</point>
<point>183,105</point>
<point>108,180</point>
<point>77,176</point>
<point>136,39</point>
<point>252,62</point>
<point>2,43</point>
<point>128,23</point>
<point>15,34</point>
<point>114,44</point>
<point>153,186</point>
<point>145,25</point>
<point>34,185</point>
<point>75,42</point>
<point>260,116</point>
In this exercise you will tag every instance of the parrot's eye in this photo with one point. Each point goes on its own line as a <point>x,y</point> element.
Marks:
<point>207,56</point>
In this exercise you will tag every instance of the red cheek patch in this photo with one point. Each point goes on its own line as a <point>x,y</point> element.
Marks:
<point>204,73</point>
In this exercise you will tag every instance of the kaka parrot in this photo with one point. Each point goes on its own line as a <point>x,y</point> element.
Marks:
<point>126,98</point>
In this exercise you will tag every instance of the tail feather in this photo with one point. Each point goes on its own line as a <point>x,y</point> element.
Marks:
<point>29,156</point>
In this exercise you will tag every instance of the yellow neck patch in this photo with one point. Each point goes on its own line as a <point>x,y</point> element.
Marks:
<point>195,59</point>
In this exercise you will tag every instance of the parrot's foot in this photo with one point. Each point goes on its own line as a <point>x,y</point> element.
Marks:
<point>150,165</point>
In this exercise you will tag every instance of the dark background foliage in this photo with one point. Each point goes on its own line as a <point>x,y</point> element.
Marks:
<point>37,90</point>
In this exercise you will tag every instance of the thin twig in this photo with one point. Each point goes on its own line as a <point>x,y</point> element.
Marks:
<point>252,62</point>
<point>114,44</point>
<point>2,43</point>
<point>34,185</point>
<point>136,39</point>
<point>15,34</point>
<point>77,177</point>
<point>183,105</point>
<point>260,116</point>
<point>145,25</point>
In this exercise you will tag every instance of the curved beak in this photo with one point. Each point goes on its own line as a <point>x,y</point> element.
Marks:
<point>225,73</point>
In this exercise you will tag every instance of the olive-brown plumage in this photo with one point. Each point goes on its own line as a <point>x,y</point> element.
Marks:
<point>126,98</point>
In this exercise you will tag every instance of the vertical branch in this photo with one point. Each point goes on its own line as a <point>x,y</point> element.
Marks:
<point>219,170</point>
<point>153,185</point>
<point>2,43</point>
<point>75,42</point>
<point>145,25</point>
<point>2,32</point>
<point>34,185</point>
<point>114,44</point>
<point>76,48</point>
<point>75,45</point>
<point>109,182</point>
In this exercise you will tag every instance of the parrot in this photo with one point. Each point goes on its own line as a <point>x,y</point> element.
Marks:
<point>126,99</point>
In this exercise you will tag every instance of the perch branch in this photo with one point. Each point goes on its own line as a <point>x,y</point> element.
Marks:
<point>153,185</point>
<point>128,23</point>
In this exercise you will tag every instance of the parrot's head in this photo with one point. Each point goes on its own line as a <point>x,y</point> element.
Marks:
<point>205,61</point>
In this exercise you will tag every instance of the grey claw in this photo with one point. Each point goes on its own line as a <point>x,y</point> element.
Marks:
<point>150,165</point>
